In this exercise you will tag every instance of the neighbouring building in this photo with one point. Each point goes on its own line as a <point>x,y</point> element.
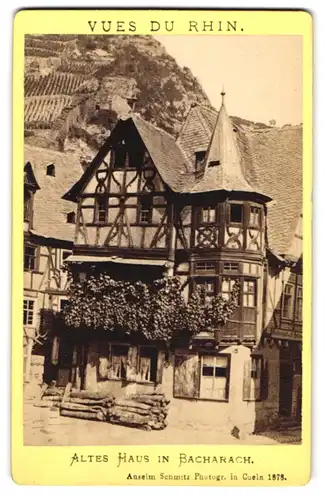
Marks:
<point>220,205</point>
<point>48,238</point>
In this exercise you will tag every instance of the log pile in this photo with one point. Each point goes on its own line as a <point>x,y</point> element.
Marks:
<point>145,411</point>
<point>52,396</point>
<point>87,405</point>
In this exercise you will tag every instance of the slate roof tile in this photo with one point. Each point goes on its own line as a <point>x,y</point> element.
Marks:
<point>50,210</point>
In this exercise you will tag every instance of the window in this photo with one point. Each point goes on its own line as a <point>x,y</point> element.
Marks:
<point>63,303</point>
<point>249,293</point>
<point>230,266</point>
<point>120,155</point>
<point>236,213</point>
<point>119,358</point>
<point>29,312</point>
<point>214,377</point>
<point>199,159</point>
<point>208,215</point>
<point>255,216</point>
<point>71,217</point>
<point>27,207</point>
<point>208,289</point>
<point>205,266</point>
<point>253,380</point>
<point>147,367</point>
<point>226,288</point>
<point>145,212</point>
<point>50,170</point>
<point>30,258</point>
<point>101,209</point>
<point>299,304</point>
<point>287,302</point>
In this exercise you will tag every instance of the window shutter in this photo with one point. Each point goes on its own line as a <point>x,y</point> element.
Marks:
<point>247,381</point>
<point>131,370</point>
<point>186,375</point>
<point>103,361</point>
<point>265,380</point>
<point>160,367</point>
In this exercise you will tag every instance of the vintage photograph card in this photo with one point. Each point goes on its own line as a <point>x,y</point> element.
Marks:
<point>162,174</point>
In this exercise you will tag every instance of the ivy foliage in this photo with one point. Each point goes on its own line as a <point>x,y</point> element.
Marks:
<point>158,311</point>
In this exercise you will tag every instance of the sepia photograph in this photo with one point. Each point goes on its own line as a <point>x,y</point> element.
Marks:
<point>163,267</point>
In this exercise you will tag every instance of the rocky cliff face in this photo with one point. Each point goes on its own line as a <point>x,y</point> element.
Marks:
<point>76,87</point>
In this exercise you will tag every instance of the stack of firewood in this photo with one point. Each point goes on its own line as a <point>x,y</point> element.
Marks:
<point>146,411</point>
<point>87,405</point>
<point>52,396</point>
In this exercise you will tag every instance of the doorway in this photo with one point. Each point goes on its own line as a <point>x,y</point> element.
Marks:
<point>286,387</point>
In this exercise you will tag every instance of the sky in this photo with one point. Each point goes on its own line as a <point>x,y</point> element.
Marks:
<point>262,75</point>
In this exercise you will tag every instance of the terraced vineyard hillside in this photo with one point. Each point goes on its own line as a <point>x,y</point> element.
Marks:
<point>76,87</point>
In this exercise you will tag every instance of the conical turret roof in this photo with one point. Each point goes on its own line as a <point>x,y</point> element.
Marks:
<point>223,166</point>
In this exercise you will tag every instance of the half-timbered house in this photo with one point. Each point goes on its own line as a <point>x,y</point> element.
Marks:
<point>219,205</point>
<point>48,238</point>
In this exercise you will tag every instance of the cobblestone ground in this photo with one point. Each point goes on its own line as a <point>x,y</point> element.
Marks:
<point>45,426</point>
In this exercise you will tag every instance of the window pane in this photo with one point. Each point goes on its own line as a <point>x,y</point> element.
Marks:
<point>207,371</point>
<point>28,312</point>
<point>205,266</point>
<point>254,217</point>
<point>221,361</point>
<point>220,372</point>
<point>236,213</point>
<point>29,257</point>
<point>225,285</point>
<point>208,214</point>
<point>230,266</point>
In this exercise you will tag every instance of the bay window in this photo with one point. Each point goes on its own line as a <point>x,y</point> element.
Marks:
<point>255,217</point>
<point>249,293</point>
<point>207,215</point>
<point>236,213</point>
<point>206,286</point>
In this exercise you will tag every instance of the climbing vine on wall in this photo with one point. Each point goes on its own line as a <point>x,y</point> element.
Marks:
<point>158,311</point>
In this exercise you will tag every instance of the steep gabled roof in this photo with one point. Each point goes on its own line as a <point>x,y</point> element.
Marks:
<point>277,162</point>
<point>270,161</point>
<point>166,155</point>
<point>49,209</point>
